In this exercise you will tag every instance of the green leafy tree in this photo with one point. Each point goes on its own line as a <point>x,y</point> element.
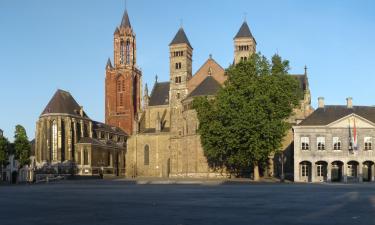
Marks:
<point>246,121</point>
<point>4,152</point>
<point>22,146</point>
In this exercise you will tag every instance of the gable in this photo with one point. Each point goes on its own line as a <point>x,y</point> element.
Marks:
<point>344,122</point>
<point>209,67</point>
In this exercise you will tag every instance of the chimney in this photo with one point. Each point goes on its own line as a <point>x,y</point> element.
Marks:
<point>321,102</point>
<point>349,102</point>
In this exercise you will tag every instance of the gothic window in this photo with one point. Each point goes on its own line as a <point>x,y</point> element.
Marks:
<point>118,85</point>
<point>321,143</point>
<point>123,85</point>
<point>54,140</point>
<point>85,157</point>
<point>79,157</point>
<point>127,51</point>
<point>146,155</point>
<point>336,143</point>
<point>305,143</point>
<point>122,49</point>
<point>85,130</point>
<point>368,143</point>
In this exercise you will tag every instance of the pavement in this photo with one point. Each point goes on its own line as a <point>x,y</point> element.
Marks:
<point>127,202</point>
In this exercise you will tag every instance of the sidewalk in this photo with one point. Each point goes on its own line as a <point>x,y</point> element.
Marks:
<point>201,181</point>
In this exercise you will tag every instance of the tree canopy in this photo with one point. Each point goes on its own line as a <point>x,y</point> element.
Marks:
<point>22,146</point>
<point>4,151</point>
<point>246,121</point>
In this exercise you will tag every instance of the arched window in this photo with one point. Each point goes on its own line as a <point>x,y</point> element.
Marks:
<point>146,155</point>
<point>122,49</point>
<point>54,140</point>
<point>127,51</point>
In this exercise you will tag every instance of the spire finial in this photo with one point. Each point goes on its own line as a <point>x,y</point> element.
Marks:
<point>156,78</point>
<point>244,16</point>
<point>146,90</point>
<point>181,23</point>
<point>305,70</point>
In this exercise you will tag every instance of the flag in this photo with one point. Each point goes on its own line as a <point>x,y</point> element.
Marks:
<point>350,137</point>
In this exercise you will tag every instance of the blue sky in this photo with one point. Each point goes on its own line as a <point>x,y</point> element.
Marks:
<point>45,45</point>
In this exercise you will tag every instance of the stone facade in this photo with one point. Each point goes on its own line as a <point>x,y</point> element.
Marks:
<point>335,144</point>
<point>66,139</point>
<point>164,141</point>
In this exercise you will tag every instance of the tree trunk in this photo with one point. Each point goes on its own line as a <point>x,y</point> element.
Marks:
<point>256,171</point>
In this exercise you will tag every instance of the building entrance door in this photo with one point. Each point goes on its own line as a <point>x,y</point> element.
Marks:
<point>320,172</point>
<point>366,173</point>
<point>336,172</point>
<point>305,172</point>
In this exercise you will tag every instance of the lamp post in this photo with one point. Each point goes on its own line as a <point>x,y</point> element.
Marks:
<point>282,160</point>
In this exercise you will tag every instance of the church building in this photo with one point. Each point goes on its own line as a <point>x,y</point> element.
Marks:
<point>163,139</point>
<point>67,141</point>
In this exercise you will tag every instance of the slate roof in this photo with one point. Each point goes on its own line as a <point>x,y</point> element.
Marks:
<point>125,22</point>
<point>63,102</point>
<point>180,38</point>
<point>108,128</point>
<point>244,32</point>
<point>331,113</point>
<point>209,86</point>
<point>302,79</point>
<point>159,94</point>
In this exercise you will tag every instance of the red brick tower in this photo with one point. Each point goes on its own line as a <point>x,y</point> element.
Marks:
<point>123,80</point>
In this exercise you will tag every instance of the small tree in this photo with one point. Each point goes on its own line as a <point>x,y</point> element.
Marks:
<point>22,146</point>
<point>246,121</point>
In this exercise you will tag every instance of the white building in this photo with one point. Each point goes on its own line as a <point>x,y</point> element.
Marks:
<point>335,144</point>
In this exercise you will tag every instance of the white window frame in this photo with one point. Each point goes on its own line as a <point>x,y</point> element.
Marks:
<point>305,140</point>
<point>319,170</point>
<point>368,143</point>
<point>336,141</point>
<point>321,143</point>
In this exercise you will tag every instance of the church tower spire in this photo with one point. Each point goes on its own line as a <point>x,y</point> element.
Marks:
<point>244,43</point>
<point>123,80</point>
<point>180,64</point>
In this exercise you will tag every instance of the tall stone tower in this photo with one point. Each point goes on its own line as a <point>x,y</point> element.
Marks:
<point>123,80</point>
<point>244,44</point>
<point>180,66</point>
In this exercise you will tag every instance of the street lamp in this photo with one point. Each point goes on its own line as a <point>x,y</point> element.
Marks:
<point>282,160</point>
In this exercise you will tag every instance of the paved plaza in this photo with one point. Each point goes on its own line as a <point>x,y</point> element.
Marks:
<point>121,202</point>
